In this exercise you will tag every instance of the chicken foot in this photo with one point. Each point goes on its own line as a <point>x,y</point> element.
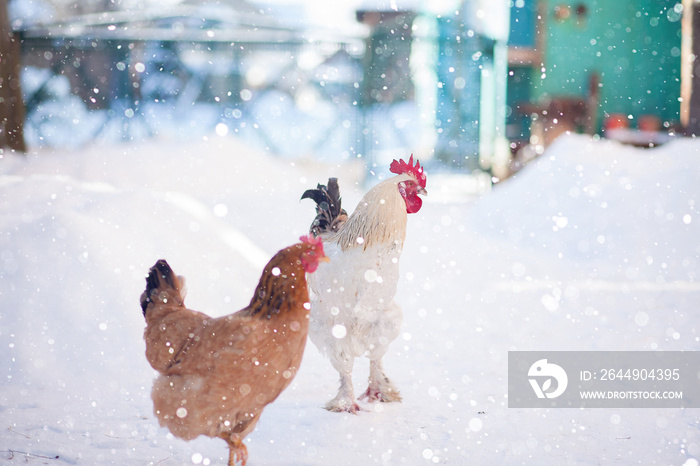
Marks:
<point>380,387</point>
<point>237,449</point>
<point>344,401</point>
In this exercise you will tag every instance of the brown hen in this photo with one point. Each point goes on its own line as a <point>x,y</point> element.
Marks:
<point>217,374</point>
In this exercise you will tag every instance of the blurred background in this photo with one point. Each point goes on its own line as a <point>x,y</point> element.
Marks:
<point>473,86</point>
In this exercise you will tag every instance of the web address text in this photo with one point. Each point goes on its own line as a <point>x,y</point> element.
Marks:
<point>631,395</point>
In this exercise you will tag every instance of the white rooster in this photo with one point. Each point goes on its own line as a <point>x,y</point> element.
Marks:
<point>353,312</point>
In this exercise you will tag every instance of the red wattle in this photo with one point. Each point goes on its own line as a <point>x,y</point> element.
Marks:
<point>413,203</point>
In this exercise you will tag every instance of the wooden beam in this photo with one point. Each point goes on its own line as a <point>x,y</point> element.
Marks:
<point>11,104</point>
<point>690,71</point>
<point>524,56</point>
<point>687,60</point>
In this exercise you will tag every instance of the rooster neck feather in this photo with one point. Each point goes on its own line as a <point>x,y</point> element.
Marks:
<point>379,218</point>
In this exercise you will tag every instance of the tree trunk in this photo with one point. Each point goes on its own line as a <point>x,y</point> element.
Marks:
<point>11,104</point>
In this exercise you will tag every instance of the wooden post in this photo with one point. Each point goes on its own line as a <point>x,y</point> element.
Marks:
<point>694,109</point>
<point>690,68</point>
<point>11,103</point>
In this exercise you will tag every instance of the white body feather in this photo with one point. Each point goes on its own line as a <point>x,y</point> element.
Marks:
<point>353,313</point>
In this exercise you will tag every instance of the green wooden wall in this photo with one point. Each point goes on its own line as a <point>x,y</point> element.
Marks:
<point>634,46</point>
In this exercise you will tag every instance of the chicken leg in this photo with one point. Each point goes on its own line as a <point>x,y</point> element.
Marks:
<point>380,387</point>
<point>345,400</point>
<point>237,449</point>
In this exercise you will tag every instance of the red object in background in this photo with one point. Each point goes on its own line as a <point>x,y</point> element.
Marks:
<point>616,121</point>
<point>649,123</point>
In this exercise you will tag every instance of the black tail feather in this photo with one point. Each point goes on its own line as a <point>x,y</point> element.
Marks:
<point>329,213</point>
<point>160,271</point>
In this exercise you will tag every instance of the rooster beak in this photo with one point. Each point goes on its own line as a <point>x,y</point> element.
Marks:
<point>324,259</point>
<point>422,191</point>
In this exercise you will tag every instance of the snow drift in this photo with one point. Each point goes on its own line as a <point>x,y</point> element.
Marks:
<point>591,247</point>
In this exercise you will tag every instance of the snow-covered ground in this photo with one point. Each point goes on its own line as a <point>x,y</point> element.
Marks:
<point>592,247</point>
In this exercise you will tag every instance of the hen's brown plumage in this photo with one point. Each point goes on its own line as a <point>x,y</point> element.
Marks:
<point>217,374</point>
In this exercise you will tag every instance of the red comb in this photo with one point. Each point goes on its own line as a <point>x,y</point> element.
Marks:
<point>401,167</point>
<point>310,239</point>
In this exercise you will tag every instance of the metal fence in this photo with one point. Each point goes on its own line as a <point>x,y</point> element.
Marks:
<point>292,97</point>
